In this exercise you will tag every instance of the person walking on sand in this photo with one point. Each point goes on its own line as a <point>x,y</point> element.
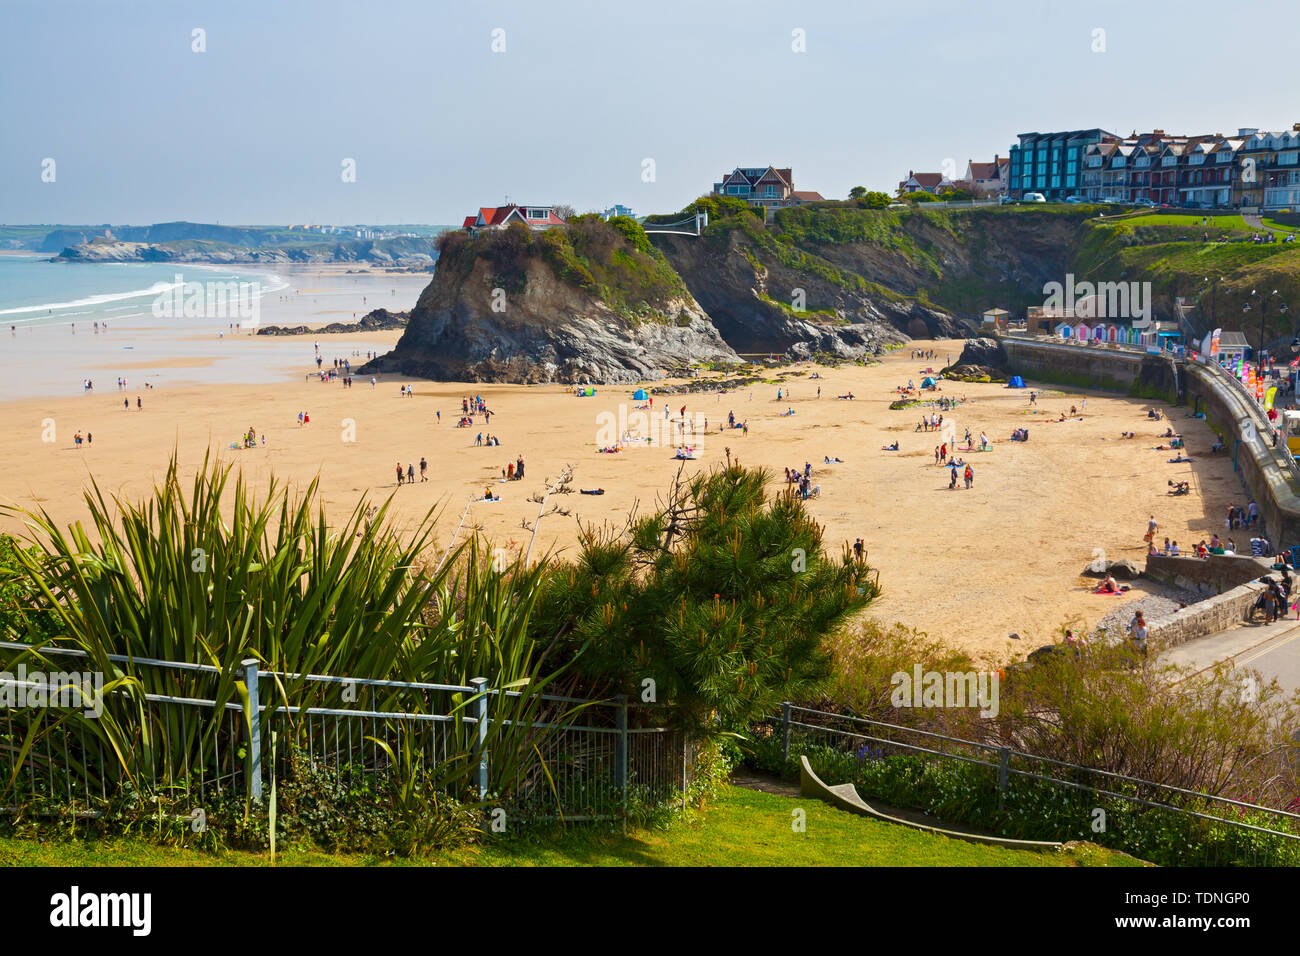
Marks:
<point>399,473</point>
<point>859,549</point>
<point>126,403</point>
<point>1152,527</point>
<point>139,404</point>
<point>424,465</point>
<point>952,482</point>
<point>970,477</point>
<point>410,473</point>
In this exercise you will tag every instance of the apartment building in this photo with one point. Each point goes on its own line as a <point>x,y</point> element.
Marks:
<point>1051,163</point>
<point>1249,170</point>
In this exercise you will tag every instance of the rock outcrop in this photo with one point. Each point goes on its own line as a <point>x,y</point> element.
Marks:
<point>374,321</point>
<point>469,326</point>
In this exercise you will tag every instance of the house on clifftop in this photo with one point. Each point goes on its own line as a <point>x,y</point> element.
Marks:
<point>498,217</point>
<point>764,186</point>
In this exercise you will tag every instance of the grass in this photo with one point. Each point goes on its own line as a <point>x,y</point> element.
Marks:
<point>741,828</point>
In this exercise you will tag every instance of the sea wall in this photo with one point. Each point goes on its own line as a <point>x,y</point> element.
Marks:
<point>1261,467</point>
<point>1210,616</point>
<point>1213,575</point>
<point>1109,367</point>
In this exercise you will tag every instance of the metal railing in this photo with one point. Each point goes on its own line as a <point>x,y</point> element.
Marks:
<point>590,759</point>
<point>877,739</point>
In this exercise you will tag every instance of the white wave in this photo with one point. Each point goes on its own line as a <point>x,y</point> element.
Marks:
<point>156,289</point>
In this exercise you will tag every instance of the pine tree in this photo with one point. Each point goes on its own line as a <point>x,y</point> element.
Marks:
<point>721,598</point>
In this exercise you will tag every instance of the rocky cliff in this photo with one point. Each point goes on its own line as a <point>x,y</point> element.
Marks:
<point>597,301</point>
<point>584,304</point>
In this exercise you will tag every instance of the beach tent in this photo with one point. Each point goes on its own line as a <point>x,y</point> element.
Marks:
<point>927,382</point>
<point>640,395</point>
<point>1016,382</point>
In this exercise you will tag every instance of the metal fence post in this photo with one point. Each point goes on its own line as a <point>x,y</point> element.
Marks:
<point>480,715</point>
<point>785,732</point>
<point>620,744</point>
<point>254,782</point>
<point>1004,768</point>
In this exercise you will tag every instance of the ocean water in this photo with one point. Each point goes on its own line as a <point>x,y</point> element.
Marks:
<point>35,291</point>
<point>64,323</point>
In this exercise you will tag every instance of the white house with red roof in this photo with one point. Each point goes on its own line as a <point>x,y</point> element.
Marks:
<point>498,217</point>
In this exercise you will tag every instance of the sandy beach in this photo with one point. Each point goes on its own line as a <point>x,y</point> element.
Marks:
<point>970,565</point>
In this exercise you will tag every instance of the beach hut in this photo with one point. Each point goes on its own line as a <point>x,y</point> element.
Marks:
<point>995,319</point>
<point>640,395</point>
<point>1016,382</point>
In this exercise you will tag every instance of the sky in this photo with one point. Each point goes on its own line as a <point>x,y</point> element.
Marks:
<point>420,111</point>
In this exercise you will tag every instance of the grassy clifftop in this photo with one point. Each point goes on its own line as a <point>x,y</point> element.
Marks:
<point>610,260</point>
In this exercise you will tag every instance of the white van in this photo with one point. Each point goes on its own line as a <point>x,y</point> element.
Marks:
<point>1035,197</point>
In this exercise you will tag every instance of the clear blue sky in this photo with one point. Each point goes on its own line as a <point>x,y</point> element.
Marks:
<point>255,129</point>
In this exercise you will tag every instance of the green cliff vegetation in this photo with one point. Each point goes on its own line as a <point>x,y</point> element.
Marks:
<point>612,260</point>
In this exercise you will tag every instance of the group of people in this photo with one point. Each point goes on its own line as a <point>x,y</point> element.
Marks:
<point>250,438</point>
<point>1275,599</point>
<point>514,471</point>
<point>802,479</point>
<point>1239,517</point>
<point>409,474</point>
<point>1020,434</point>
<point>968,476</point>
<point>491,440</point>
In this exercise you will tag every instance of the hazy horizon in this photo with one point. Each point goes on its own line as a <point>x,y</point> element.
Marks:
<point>257,127</point>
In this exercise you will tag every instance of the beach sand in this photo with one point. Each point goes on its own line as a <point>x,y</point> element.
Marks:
<point>971,566</point>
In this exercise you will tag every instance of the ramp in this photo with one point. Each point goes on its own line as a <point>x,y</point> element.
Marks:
<point>845,796</point>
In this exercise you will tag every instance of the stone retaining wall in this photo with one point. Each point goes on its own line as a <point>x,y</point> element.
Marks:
<point>1213,575</point>
<point>1210,616</point>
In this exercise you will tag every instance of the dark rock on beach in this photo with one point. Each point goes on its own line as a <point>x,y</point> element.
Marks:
<point>375,321</point>
<point>1123,569</point>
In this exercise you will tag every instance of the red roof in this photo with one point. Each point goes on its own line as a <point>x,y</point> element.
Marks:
<point>807,196</point>
<point>469,222</point>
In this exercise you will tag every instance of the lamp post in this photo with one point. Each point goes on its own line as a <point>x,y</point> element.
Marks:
<point>1263,314</point>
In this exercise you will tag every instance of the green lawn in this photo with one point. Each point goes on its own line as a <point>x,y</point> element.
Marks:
<point>741,828</point>
<point>1221,220</point>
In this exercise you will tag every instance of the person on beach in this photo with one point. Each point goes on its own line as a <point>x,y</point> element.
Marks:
<point>139,404</point>
<point>859,550</point>
<point>1137,629</point>
<point>399,473</point>
<point>126,403</point>
<point>952,481</point>
<point>410,473</point>
<point>424,465</point>
<point>969,476</point>
<point>1152,527</point>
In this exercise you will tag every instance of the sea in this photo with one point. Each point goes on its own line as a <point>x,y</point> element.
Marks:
<point>166,324</point>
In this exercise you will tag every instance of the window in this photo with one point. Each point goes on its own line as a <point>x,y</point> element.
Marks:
<point>1224,157</point>
<point>1287,159</point>
<point>538,213</point>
